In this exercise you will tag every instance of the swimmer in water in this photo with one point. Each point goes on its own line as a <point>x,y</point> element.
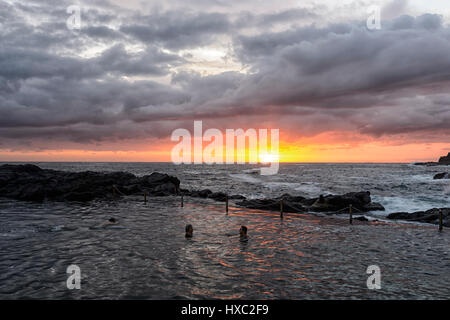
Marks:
<point>189,231</point>
<point>110,222</point>
<point>243,232</point>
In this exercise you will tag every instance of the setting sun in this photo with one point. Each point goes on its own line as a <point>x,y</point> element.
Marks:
<point>268,158</point>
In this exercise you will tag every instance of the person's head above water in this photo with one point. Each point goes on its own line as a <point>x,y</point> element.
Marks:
<point>189,231</point>
<point>243,231</point>
<point>112,220</point>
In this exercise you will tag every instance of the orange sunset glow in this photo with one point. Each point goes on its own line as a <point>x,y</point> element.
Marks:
<point>303,150</point>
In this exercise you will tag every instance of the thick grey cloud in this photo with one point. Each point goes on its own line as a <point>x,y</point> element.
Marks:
<point>178,29</point>
<point>125,74</point>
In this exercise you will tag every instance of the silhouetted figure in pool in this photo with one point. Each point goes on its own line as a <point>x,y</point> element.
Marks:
<point>243,232</point>
<point>109,222</point>
<point>189,231</point>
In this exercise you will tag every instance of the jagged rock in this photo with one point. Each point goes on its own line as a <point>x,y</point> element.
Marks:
<point>443,175</point>
<point>29,182</point>
<point>361,201</point>
<point>160,182</point>
<point>429,216</point>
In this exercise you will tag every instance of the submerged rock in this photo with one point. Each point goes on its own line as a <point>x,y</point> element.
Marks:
<point>29,182</point>
<point>429,216</point>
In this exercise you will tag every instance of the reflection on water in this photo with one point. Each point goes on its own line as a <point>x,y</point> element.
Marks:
<point>299,257</point>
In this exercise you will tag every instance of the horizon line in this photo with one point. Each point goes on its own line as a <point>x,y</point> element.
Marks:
<point>289,162</point>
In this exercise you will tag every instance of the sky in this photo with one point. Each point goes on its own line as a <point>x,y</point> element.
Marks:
<point>116,88</point>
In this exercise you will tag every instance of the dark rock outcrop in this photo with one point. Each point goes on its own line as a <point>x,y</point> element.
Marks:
<point>361,201</point>
<point>445,159</point>
<point>443,175</point>
<point>29,182</point>
<point>217,196</point>
<point>429,216</point>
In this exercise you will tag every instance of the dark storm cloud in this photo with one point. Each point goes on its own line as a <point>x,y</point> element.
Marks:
<point>178,29</point>
<point>341,63</point>
<point>23,64</point>
<point>310,79</point>
<point>249,19</point>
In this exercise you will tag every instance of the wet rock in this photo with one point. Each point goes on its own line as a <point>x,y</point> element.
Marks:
<point>443,175</point>
<point>294,199</point>
<point>218,196</point>
<point>160,182</point>
<point>361,201</point>
<point>167,187</point>
<point>429,216</point>
<point>204,193</point>
<point>237,197</point>
<point>29,182</point>
<point>373,206</point>
<point>272,205</point>
<point>361,218</point>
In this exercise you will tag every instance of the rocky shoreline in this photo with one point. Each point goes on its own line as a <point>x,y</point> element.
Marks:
<point>429,216</point>
<point>31,183</point>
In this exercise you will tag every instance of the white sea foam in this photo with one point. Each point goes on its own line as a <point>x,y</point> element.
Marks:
<point>245,177</point>
<point>310,188</point>
<point>401,204</point>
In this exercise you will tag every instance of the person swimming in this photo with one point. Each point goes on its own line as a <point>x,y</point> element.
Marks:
<point>189,231</point>
<point>243,232</point>
<point>110,222</point>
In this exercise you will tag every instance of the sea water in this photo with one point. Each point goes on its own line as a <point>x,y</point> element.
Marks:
<point>302,256</point>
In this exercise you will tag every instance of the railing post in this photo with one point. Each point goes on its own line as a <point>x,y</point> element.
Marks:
<point>226,203</point>
<point>182,201</point>
<point>440,220</point>
<point>281,208</point>
<point>145,196</point>
<point>350,208</point>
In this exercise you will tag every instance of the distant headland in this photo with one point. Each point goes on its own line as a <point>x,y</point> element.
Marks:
<point>443,161</point>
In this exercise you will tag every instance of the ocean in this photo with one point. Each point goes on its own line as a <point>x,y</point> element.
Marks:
<point>302,256</point>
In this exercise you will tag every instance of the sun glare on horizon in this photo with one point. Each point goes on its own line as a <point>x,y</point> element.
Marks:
<point>269,158</point>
